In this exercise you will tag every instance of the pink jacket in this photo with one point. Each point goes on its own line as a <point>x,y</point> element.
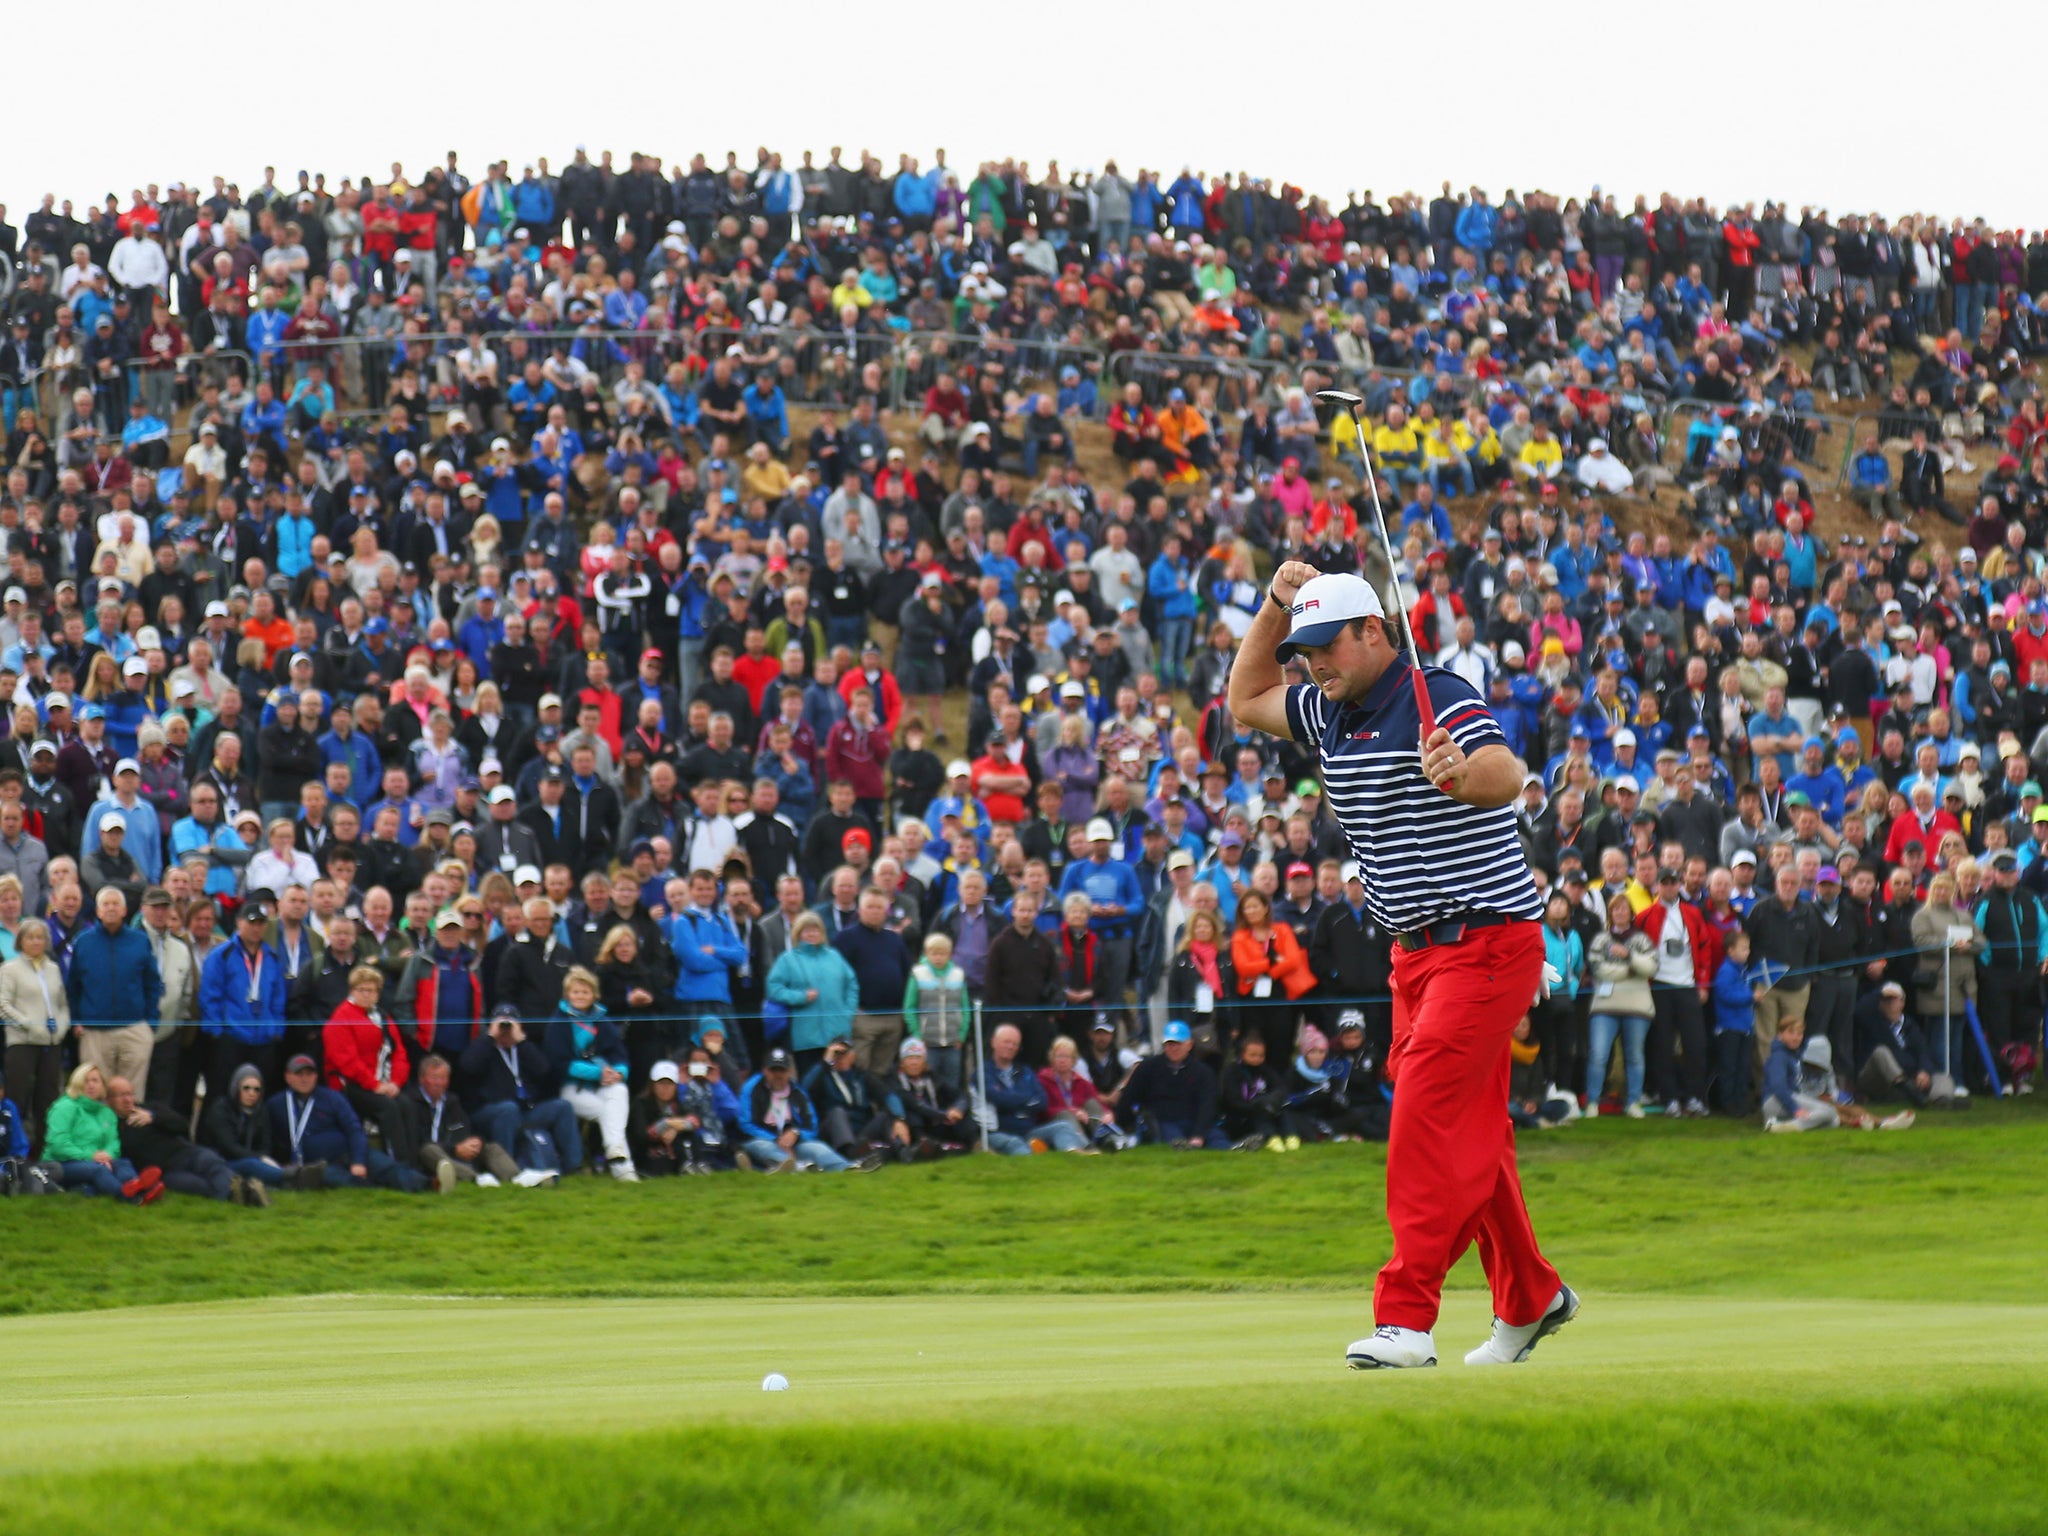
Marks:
<point>1562,625</point>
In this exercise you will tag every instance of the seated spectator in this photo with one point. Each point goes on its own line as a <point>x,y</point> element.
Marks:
<point>1170,1098</point>
<point>83,1137</point>
<point>156,1136</point>
<point>1071,1096</point>
<point>368,1064</point>
<point>237,1126</point>
<point>324,1141</point>
<point>779,1127</point>
<point>1787,1107</point>
<point>858,1116</point>
<point>1252,1102</point>
<point>937,1115</point>
<point>593,1064</point>
<point>1896,1063</point>
<point>508,1075</point>
<point>451,1149</point>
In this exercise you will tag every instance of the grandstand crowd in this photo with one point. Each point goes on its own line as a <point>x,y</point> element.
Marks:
<point>673,669</point>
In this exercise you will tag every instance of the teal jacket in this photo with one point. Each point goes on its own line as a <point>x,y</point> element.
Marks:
<point>821,968</point>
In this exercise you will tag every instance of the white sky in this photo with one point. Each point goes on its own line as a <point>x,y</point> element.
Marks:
<point>1835,104</point>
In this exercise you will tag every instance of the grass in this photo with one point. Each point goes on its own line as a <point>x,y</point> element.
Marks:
<point>1782,1334</point>
<point>1708,1208</point>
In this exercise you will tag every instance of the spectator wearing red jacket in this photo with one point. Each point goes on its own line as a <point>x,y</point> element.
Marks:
<point>1679,988</point>
<point>882,685</point>
<point>857,749</point>
<point>1923,824</point>
<point>945,412</point>
<point>367,1062</point>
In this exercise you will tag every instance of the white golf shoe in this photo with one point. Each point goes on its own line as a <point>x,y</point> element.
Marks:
<point>1510,1345</point>
<point>1391,1348</point>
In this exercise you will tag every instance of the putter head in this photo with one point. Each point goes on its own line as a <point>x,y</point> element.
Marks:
<point>1354,403</point>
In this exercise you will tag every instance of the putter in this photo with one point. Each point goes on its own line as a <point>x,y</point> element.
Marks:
<point>1354,406</point>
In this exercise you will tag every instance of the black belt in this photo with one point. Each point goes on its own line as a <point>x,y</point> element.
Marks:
<point>1450,930</point>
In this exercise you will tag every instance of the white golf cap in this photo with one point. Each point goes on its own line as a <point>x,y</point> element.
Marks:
<point>216,610</point>
<point>1624,737</point>
<point>503,794</point>
<point>1323,606</point>
<point>1073,689</point>
<point>549,701</point>
<point>135,666</point>
<point>56,699</point>
<point>526,874</point>
<point>1742,856</point>
<point>126,765</point>
<point>1350,872</point>
<point>1180,858</point>
<point>1100,831</point>
<point>663,1072</point>
<point>1628,782</point>
<point>959,768</point>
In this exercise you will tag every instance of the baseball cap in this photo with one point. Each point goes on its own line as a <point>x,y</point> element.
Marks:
<point>1628,782</point>
<point>135,666</point>
<point>1072,689</point>
<point>1176,1029</point>
<point>301,1063</point>
<point>959,768</point>
<point>526,874</point>
<point>56,699</point>
<point>549,701</point>
<point>911,1047</point>
<point>1299,868</point>
<point>1799,797</point>
<point>1742,856</point>
<point>1321,609</point>
<point>664,1072</point>
<point>126,765</point>
<point>41,745</point>
<point>1180,858</point>
<point>1100,831</point>
<point>777,1058</point>
<point>1827,874</point>
<point>449,918</point>
<point>1351,871</point>
<point>502,795</point>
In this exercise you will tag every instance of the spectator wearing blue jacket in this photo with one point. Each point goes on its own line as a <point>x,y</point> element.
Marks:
<point>1170,582</point>
<point>320,1137</point>
<point>115,988</point>
<point>294,534</point>
<point>915,194</point>
<point>706,952</point>
<point>346,745</point>
<point>1818,782</point>
<point>1475,226</point>
<point>1183,203</point>
<point>1870,481</point>
<point>778,1125</point>
<point>482,629</point>
<point>1734,1024</point>
<point>1146,201</point>
<point>767,413</point>
<point>242,996</point>
<point>1115,902</point>
<point>534,206</point>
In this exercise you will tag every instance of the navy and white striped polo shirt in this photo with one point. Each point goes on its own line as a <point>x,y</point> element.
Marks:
<point>1424,856</point>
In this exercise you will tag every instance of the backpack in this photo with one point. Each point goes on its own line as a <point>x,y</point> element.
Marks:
<point>535,1149</point>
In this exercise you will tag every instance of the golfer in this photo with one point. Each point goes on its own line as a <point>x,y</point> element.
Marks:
<point>1430,825</point>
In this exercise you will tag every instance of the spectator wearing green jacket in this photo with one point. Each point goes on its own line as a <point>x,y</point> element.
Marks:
<point>814,982</point>
<point>84,1137</point>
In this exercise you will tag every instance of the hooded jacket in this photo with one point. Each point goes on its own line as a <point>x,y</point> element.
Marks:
<point>804,968</point>
<point>232,1130</point>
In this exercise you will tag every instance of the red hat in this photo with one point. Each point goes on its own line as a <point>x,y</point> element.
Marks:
<point>855,835</point>
<point>1290,462</point>
<point>652,653</point>
<point>1298,868</point>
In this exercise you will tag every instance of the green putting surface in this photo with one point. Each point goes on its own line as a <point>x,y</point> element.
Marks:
<point>345,1373</point>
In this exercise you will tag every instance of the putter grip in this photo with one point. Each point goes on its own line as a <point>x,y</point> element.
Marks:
<point>1422,704</point>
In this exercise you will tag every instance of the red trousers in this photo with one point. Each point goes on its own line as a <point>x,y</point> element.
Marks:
<point>1451,1148</point>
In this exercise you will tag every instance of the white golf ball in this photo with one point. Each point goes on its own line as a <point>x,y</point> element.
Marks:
<point>775,1381</point>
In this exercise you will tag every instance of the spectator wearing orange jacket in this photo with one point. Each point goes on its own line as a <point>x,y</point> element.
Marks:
<point>1268,961</point>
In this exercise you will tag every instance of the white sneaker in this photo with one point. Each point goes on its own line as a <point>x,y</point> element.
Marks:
<point>487,1181</point>
<point>1962,1092</point>
<point>1634,1111</point>
<point>1511,1346</point>
<point>529,1178</point>
<point>624,1171</point>
<point>1391,1348</point>
<point>1902,1121</point>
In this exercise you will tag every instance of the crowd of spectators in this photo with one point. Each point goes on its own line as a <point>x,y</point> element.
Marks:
<point>458,724</point>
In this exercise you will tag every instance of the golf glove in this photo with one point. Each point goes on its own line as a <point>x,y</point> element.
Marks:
<point>1552,977</point>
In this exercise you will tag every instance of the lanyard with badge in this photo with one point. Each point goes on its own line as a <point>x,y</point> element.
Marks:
<point>49,1003</point>
<point>298,1125</point>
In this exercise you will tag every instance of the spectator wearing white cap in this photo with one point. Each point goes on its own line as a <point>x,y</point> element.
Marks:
<point>1599,470</point>
<point>145,837</point>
